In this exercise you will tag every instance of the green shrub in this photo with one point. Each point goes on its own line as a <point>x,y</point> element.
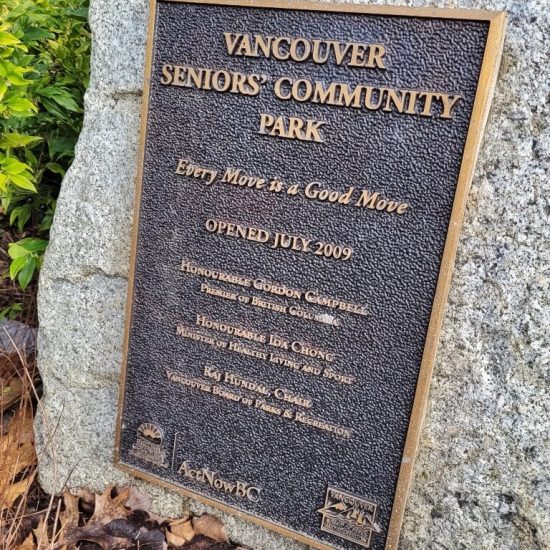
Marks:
<point>44,71</point>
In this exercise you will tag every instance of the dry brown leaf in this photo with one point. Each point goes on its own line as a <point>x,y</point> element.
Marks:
<point>68,519</point>
<point>211,527</point>
<point>27,544</point>
<point>17,454</point>
<point>41,535</point>
<point>13,491</point>
<point>106,510</point>
<point>70,516</point>
<point>109,508</point>
<point>174,540</point>
<point>95,533</point>
<point>9,363</point>
<point>135,500</point>
<point>87,500</point>
<point>10,392</point>
<point>180,531</point>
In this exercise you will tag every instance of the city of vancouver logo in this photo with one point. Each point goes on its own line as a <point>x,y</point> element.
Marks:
<point>349,516</point>
<point>149,445</point>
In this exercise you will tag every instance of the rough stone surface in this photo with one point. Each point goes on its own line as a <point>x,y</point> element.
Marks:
<point>482,475</point>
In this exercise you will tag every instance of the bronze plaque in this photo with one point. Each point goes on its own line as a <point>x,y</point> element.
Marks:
<point>303,174</point>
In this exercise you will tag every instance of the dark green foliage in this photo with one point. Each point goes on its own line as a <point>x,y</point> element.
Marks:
<point>44,71</point>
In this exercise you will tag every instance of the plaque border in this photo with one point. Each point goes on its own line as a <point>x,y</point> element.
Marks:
<point>482,101</point>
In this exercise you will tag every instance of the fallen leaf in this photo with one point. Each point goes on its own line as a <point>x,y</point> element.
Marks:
<point>150,539</point>
<point>200,542</point>
<point>140,503</point>
<point>68,519</point>
<point>180,531</point>
<point>211,527</point>
<point>16,336</point>
<point>87,500</point>
<point>27,544</point>
<point>111,526</point>
<point>17,454</point>
<point>11,390</point>
<point>14,490</point>
<point>41,535</point>
<point>135,500</point>
<point>70,516</point>
<point>107,507</point>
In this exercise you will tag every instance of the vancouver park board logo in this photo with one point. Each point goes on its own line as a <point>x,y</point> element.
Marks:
<point>349,516</point>
<point>149,445</point>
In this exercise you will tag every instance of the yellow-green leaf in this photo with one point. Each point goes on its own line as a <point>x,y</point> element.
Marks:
<point>13,166</point>
<point>16,266</point>
<point>6,52</point>
<point>32,244</point>
<point>7,39</point>
<point>20,104</point>
<point>26,273</point>
<point>17,79</point>
<point>16,251</point>
<point>13,139</point>
<point>23,182</point>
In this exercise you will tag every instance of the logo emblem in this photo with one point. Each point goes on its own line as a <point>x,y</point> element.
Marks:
<point>149,445</point>
<point>349,516</point>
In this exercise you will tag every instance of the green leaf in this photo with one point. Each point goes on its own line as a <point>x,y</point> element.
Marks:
<point>13,140</point>
<point>23,182</point>
<point>34,34</point>
<point>79,13</point>
<point>61,96</point>
<point>55,168</point>
<point>60,146</point>
<point>3,181</point>
<point>52,108</point>
<point>32,244</point>
<point>16,266</point>
<point>20,104</point>
<point>25,60</point>
<point>15,250</point>
<point>17,80</point>
<point>46,222</point>
<point>13,167</point>
<point>7,39</point>
<point>68,102</point>
<point>3,89</point>
<point>30,158</point>
<point>21,214</point>
<point>11,312</point>
<point>23,220</point>
<point>26,273</point>
<point>6,199</point>
<point>6,52</point>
